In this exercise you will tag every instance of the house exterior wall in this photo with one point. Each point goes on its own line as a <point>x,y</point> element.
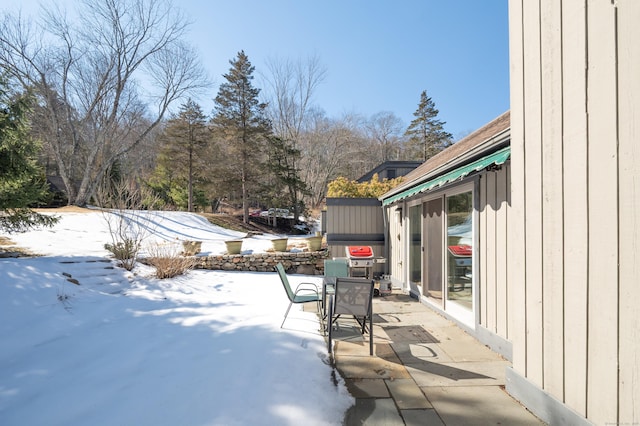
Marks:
<point>492,201</point>
<point>395,215</point>
<point>493,248</point>
<point>574,232</point>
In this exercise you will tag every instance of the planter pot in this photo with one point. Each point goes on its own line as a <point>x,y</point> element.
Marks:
<point>234,246</point>
<point>191,248</point>
<point>314,243</point>
<point>279,244</point>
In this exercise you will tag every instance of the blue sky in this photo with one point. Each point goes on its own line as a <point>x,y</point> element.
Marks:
<point>379,54</point>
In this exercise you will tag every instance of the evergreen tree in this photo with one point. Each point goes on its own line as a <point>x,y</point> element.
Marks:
<point>180,161</point>
<point>239,118</point>
<point>426,134</point>
<point>22,182</point>
<point>282,159</point>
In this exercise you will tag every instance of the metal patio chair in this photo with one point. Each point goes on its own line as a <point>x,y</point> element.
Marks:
<point>304,292</point>
<point>354,297</point>
<point>333,268</point>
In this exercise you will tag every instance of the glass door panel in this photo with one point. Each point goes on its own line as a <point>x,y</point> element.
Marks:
<point>415,246</point>
<point>460,249</point>
<point>433,286</point>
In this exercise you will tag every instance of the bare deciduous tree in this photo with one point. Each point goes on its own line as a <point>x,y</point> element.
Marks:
<point>385,131</point>
<point>104,79</point>
<point>290,89</point>
<point>329,148</point>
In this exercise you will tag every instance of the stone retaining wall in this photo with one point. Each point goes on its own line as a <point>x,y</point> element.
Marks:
<point>307,263</point>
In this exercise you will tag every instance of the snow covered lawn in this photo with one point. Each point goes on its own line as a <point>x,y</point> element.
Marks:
<point>123,348</point>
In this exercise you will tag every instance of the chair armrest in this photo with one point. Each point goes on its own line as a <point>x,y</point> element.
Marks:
<point>310,287</point>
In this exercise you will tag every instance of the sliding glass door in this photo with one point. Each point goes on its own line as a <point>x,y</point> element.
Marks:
<point>441,240</point>
<point>460,249</point>
<point>415,247</point>
<point>433,238</point>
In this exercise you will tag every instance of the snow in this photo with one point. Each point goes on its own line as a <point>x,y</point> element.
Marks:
<point>124,348</point>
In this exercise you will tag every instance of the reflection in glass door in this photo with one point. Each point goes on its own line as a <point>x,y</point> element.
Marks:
<point>460,249</point>
<point>415,246</point>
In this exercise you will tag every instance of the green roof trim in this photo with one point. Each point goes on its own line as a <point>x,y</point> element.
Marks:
<point>498,158</point>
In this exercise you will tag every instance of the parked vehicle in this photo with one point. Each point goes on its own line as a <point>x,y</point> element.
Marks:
<point>273,212</point>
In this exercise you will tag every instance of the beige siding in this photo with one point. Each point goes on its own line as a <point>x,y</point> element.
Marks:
<point>395,238</point>
<point>575,203</point>
<point>483,260</point>
<point>488,252</point>
<point>602,371</point>
<point>552,198</point>
<point>501,251</point>
<point>493,249</point>
<point>629,197</point>
<point>516,225</point>
<point>575,216</point>
<point>533,191</point>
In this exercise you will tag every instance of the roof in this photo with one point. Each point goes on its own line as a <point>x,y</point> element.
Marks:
<point>391,165</point>
<point>487,139</point>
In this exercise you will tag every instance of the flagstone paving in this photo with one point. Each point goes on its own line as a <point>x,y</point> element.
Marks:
<point>425,371</point>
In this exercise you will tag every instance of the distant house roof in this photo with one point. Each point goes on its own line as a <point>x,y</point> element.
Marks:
<point>398,168</point>
<point>484,141</point>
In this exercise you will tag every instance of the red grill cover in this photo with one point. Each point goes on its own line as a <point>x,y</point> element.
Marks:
<point>464,250</point>
<point>360,251</point>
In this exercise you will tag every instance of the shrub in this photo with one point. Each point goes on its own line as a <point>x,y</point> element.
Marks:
<point>125,251</point>
<point>167,260</point>
<point>343,187</point>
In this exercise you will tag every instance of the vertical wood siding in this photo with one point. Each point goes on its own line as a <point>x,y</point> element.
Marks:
<point>482,259</point>
<point>602,190</point>
<point>516,265</point>
<point>488,252</point>
<point>574,121</point>
<point>357,221</point>
<point>501,251</point>
<point>628,44</point>
<point>354,219</point>
<point>575,216</point>
<point>552,197</point>
<point>533,190</point>
<point>493,251</point>
<point>395,238</point>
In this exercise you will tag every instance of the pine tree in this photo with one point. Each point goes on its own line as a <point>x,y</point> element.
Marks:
<point>288,183</point>
<point>240,118</point>
<point>22,181</point>
<point>426,134</point>
<point>180,161</point>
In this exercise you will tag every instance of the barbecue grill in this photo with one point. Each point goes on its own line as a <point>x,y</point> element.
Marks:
<point>361,257</point>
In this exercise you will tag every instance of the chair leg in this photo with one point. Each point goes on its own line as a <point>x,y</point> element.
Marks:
<point>286,313</point>
<point>370,334</point>
<point>322,328</point>
<point>371,327</point>
<point>330,325</point>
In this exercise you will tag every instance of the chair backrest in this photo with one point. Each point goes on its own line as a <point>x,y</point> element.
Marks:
<point>285,281</point>
<point>353,296</point>
<point>336,268</point>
